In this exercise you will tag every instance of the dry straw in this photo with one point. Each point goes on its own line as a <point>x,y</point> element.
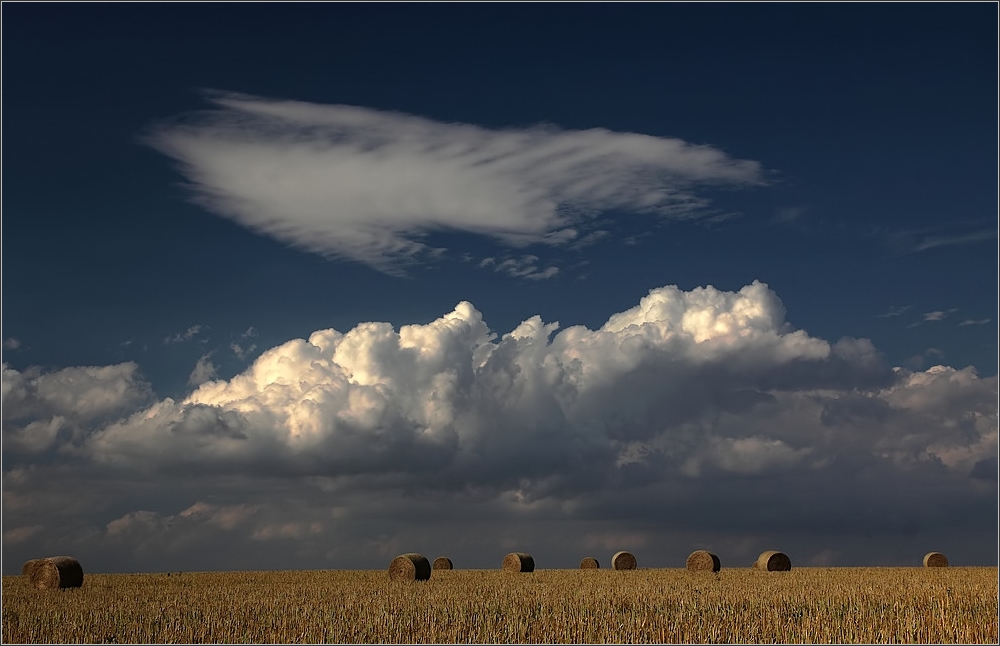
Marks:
<point>518,562</point>
<point>623,561</point>
<point>442,563</point>
<point>935,559</point>
<point>55,572</point>
<point>773,561</point>
<point>410,567</point>
<point>703,561</point>
<point>29,566</point>
<point>590,563</point>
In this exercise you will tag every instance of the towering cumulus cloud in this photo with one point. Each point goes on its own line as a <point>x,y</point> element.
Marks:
<point>367,185</point>
<point>710,379</point>
<point>687,402</point>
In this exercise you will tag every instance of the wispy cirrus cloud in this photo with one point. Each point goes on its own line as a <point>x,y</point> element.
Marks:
<point>187,335</point>
<point>949,235</point>
<point>895,310</point>
<point>525,266</point>
<point>939,315</point>
<point>933,316</point>
<point>946,241</point>
<point>368,185</point>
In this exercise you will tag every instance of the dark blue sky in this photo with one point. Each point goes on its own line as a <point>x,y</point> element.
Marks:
<point>870,212</point>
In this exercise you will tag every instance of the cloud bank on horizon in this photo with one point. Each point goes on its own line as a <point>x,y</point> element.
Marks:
<point>368,185</point>
<point>688,399</point>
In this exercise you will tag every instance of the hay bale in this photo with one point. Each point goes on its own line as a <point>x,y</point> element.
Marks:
<point>29,566</point>
<point>56,572</point>
<point>518,562</point>
<point>623,561</point>
<point>773,561</point>
<point>703,561</point>
<point>410,567</point>
<point>935,559</point>
<point>442,563</point>
<point>590,563</point>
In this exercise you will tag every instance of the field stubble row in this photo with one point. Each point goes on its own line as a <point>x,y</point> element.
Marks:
<point>806,605</point>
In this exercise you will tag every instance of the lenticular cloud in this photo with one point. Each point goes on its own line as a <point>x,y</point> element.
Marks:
<point>366,184</point>
<point>685,383</point>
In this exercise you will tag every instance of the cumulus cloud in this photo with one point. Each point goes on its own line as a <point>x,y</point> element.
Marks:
<point>242,348</point>
<point>691,380</point>
<point>689,401</point>
<point>367,185</point>
<point>41,408</point>
<point>204,370</point>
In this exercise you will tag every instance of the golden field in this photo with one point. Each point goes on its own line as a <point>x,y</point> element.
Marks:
<point>805,605</point>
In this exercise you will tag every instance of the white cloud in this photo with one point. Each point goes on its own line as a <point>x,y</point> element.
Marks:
<point>221,516</point>
<point>525,267</point>
<point>204,370</point>
<point>240,347</point>
<point>11,344</point>
<point>938,315</point>
<point>20,534</point>
<point>187,335</point>
<point>39,407</point>
<point>788,215</point>
<point>590,239</point>
<point>139,522</point>
<point>367,185</point>
<point>895,310</point>
<point>754,454</point>
<point>449,397</point>
<point>952,233</point>
<point>691,404</point>
<point>974,322</point>
<point>930,242</point>
<point>287,531</point>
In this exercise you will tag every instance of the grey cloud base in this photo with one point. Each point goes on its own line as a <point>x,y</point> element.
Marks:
<point>695,419</point>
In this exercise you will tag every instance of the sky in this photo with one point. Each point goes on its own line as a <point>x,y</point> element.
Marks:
<point>308,286</point>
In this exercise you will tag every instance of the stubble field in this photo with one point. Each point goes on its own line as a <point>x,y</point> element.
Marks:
<point>805,605</point>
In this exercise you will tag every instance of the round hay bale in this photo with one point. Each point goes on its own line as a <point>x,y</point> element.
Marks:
<point>774,561</point>
<point>29,566</point>
<point>410,567</point>
<point>623,561</point>
<point>703,561</point>
<point>935,559</point>
<point>590,563</point>
<point>442,563</point>
<point>518,562</point>
<point>56,572</point>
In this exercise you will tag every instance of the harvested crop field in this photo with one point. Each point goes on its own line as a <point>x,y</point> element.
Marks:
<point>840,605</point>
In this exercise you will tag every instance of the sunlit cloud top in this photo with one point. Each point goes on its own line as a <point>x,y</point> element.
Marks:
<point>367,185</point>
